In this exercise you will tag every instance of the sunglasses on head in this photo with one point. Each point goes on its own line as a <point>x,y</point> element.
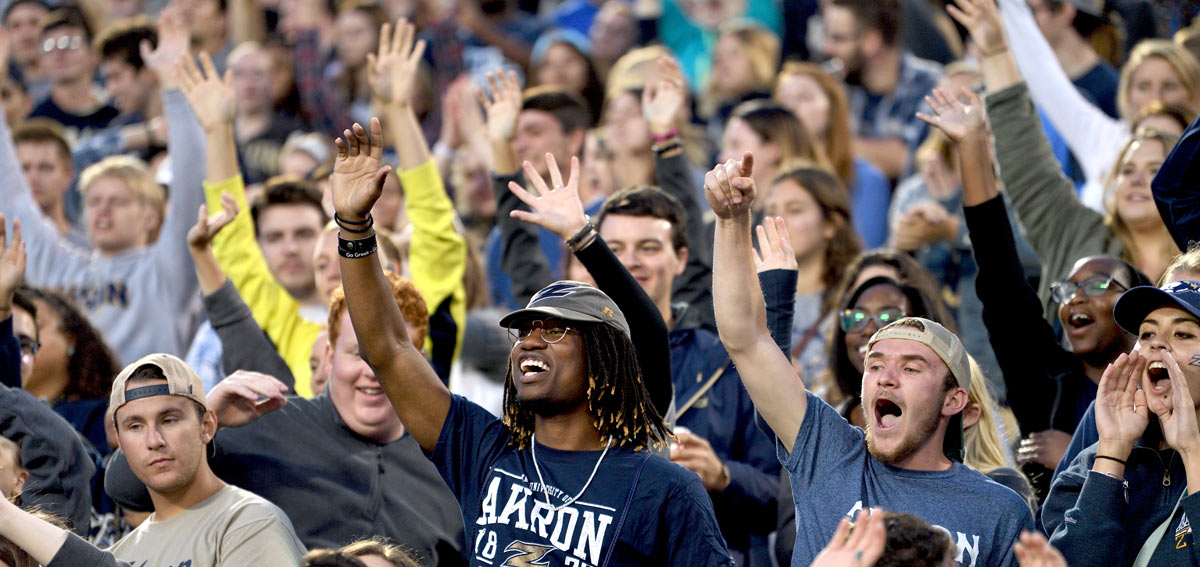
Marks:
<point>855,320</point>
<point>1094,286</point>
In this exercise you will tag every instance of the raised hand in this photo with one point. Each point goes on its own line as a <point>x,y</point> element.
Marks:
<point>558,208</point>
<point>243,397</point>
<point>1032,550</point>
<point>1176,412</point>
<point>502,106</point>
<point>394,69</point>
<point>729,187</point>
<point>12,265</point>
<point>173,42</point>
<point>1121,412</point>
<point>210,96</point>
<point>1044,447</point>
<point>863,546</point>
<point>950,115</point>
<point>664,97</point>
<point>982,20</point>
<point>774,246</point>
<point>200,236</point>
<point>358,172</point>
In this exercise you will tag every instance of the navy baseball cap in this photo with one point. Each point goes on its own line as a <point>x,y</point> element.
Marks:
<point>1135,304</point>
<point>570,301</point>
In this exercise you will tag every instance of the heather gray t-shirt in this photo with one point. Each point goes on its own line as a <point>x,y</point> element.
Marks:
<point>834,476</point>
<point>232,528</point>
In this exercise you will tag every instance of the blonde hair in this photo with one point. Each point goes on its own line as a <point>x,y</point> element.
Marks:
<point>1180,60</point>
<point>1112,219</point>
<point>133,172</point>
<point>393,553</point>
<point>1189,261</point>
<point>838,137</point>
<point>986,446</point>
<point>762,48</point>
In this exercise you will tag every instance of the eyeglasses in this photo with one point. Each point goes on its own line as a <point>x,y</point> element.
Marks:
<point>552,334</point>
<point>855,320</point>
<point>61,43</point>
<point>1094,286</point>
<point>29,346</point>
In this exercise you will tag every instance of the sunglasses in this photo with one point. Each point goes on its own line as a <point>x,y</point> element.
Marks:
<point>1094,286</point>
<point>855,320</point>
<point>550,334</point>
<point>62,43</point>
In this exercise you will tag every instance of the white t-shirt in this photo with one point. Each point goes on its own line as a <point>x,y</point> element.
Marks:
<point>232,528</point>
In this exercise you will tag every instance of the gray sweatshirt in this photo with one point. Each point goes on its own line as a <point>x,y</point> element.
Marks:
<point>1058,226</point>
<point>137,299</point>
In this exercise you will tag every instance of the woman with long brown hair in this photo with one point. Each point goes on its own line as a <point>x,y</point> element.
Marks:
<point>819,101</point>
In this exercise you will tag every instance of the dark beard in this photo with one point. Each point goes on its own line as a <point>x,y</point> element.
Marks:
<point>549,407</point>
<point>909,445</point>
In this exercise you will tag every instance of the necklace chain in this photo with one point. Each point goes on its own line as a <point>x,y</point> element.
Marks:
<point>545,489</point>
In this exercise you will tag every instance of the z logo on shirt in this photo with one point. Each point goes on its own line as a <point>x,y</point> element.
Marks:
<point>528,554</point>
<point>1183,530</point>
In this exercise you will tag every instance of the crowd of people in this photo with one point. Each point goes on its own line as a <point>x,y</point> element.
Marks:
<point>830,283</point>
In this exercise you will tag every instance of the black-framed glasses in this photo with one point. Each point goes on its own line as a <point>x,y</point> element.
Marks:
<point>854,320</point>
<point>1094,286</point>
<point>550,334</point>
<point>64,42</point>
<point>29,346</point>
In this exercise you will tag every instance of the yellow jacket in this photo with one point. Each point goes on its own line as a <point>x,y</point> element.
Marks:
<point>437,260</point>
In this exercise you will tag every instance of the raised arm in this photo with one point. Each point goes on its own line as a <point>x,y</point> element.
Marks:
<point>234,247</point>
<point>48,544</point>
<point>12,271</point>
<point>778,394</point>
<point>185,145</point>
<point>438,253</point>
<point>1176,188</point>
<point>560,211</point>
<point>417,394</point>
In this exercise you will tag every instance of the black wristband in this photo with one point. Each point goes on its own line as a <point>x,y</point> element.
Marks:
<point>359,248</point>
<point>579,236</point>
<point>354,226</point>
<point>1114,459</point>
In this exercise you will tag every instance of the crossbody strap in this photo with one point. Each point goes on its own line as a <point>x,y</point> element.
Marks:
<point>1143,556</point>
<point>625,512</point>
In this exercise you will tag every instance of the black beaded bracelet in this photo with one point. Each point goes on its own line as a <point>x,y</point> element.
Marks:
<point>354,226</point>
<point>579,236</point>
<point>359,248</point>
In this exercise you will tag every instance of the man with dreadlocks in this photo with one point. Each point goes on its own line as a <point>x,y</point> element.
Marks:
<point>568,477</point>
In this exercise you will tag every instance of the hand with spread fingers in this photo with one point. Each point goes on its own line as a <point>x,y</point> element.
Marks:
<point>1121,412</point>
<point>173,42</point>
<point>210,95</point>
<point>954,117</point>
<point>556,208</point>
<point>243,397</point>
<point>696,454</point>
<point>502,105</point>
<point>729,187</point>
<point>983,23</point>
<point>394,69</point>
<point>1176,411</point>
<point>860,547</point>
<point>199,237</point>
<point>12,265</point>
<point>358,172</point>
<point>664,97</point>
<point>774,246</point>
<point>1032,550</point>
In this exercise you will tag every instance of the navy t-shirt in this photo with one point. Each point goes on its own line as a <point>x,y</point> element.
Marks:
<point>834,476</point>
<point>669,520</point>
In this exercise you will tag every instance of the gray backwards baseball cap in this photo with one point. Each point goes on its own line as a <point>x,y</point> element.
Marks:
<point>570,301</point>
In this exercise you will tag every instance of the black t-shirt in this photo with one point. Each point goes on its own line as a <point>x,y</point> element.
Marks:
<point>259,156</point>
<point>76,125</point>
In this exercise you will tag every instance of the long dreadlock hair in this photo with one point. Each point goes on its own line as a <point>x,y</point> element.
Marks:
<point>618,401</point>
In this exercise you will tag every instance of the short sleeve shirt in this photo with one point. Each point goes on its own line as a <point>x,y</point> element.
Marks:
<point>834,476</point>
<point>512,518</point>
